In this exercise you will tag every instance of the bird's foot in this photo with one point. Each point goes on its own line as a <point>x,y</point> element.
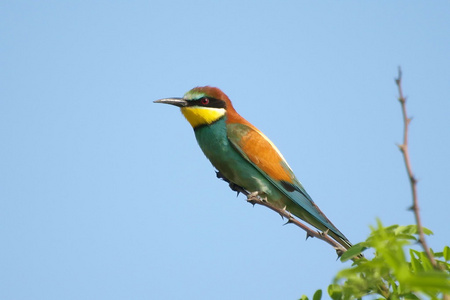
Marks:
<point>233,186</point>
<point>253,198</point>
<point>287,214</point>
<point>256,197</point>
<point>220,176</point>
<point>324,233</point>
<point>237,188</point>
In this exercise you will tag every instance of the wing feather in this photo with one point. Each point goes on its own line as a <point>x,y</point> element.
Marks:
<point>257,149</point>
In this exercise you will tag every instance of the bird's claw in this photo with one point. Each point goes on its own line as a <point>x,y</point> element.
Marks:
<point>220,176</point>
<point>256,197</point>
<point>253,197</point>
<point>238,189</point>
<point>324,233</point>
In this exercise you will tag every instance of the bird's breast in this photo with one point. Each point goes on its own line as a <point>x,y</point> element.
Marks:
<point>213,141</point>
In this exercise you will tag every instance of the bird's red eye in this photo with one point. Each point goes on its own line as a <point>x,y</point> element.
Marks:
<point>205,101</point>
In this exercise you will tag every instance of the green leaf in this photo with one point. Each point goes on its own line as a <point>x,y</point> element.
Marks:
<point>389,228</point>
<point>438,254</point>
<point>427,231</point>
<point>427,266</point>
<point>429,282</point>
<point>353,251</point>
<point>304,297</point>
<point>410,296</point>
<point>408,230</point>
<point>414,253</point>
<point>415,263</point>
<point>446,253</point>
<point>335,291</point>
<point>317,295</point>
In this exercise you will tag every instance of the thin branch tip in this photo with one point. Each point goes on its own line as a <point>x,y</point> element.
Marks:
<point>412,179</point>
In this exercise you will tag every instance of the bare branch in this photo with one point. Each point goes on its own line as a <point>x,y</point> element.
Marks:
<point>253,198</point>
<point>413,181</point>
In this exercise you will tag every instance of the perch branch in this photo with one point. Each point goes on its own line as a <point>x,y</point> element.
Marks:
<point>253,198</point>
<point>412,179</point>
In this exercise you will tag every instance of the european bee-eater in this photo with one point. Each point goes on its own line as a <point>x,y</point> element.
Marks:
<point>246,157</point>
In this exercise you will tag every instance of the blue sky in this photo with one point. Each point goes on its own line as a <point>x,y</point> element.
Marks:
<point>106,195</point>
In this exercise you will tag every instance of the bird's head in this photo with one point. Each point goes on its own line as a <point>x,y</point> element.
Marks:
<point>202,105</point>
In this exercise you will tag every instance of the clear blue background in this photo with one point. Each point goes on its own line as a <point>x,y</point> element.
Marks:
<point>105,195</point>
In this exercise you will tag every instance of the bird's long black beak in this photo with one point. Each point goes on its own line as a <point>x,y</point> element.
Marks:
<point>180,102</point>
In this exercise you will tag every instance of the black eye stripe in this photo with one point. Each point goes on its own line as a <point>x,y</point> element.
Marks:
<point>213,102</point>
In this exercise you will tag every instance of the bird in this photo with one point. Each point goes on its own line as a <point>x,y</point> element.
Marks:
<point>246,158</point>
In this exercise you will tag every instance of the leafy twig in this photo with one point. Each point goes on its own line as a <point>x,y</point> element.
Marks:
<point>413,181</point>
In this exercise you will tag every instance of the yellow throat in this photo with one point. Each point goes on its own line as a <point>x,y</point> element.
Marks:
<point>198,116</point>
